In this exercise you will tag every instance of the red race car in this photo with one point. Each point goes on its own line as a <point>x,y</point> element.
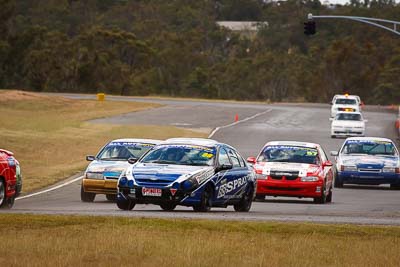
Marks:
<point>293,169</point>
<point>8,178</point>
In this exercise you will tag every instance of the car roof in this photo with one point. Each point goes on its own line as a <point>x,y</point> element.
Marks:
<point>192,141</point>
<point>137,140</point>
<point>366,138</point>
<point>291,143</point>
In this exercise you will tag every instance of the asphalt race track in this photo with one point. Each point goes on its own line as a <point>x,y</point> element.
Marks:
<point>258,124</point>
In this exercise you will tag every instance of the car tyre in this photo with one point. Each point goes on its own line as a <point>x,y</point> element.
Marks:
<point>338,183</point>
<point>395,186</point>
<point>111,197</point>
<point>9,202</point>
<point>329,196</point>
<point>168,206</point>
<point>333,136</point>
<point>5,203</point>
<point>205,201</point>
<point>245,203</point>
<point>260,197</point>
<point>125,204</point>
<point>18,190</point>
<point>321,199</point>
<point>87,197</point>
<point>2,193</point>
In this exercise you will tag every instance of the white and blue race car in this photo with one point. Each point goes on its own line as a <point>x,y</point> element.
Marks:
<point>368,160</point>
<point>193,172</point>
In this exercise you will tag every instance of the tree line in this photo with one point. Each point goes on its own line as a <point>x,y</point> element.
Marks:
<point>175,48</point>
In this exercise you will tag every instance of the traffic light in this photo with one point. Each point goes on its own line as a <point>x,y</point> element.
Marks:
<point>309,27</point>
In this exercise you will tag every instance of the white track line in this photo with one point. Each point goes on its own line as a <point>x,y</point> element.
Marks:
<point>50,189</point>
<point>237,122</point>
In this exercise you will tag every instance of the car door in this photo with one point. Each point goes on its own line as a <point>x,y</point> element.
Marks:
<point>238,175</point>
<point>224,176</point>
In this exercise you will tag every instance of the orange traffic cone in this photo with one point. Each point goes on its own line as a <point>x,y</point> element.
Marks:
<point>236,117</point>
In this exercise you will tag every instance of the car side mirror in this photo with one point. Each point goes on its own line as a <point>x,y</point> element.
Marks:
<point>224,167</point>
<point>334,153</point>
<point>251,160</point>
<point>90,158</point>
<point>331,119</point>
<point>365,120</point>
<point>328,164</point>
<point>132,160</point>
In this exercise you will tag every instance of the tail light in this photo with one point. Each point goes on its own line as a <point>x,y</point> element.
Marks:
<point>397,170</point>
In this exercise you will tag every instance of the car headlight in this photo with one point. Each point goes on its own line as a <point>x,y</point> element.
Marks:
<point>123,181</point>
<point>94,175</point>
<point>389,169</point>
<point>261,176</point>
<point>189,184</point>
<point>348,168</point>
<point>309,179</point>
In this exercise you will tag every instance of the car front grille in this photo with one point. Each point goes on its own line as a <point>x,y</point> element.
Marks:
<point>289,175</point>
<point>347,132</point>
<point>369,170</point>
<point>275,188</point>
<point>110,178</point>
<point>150,182</point>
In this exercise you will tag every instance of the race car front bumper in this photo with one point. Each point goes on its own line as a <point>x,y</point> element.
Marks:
<point>347,132</point>
<point>356,177</point>
<point>270,187</point>
<point>100,186</point>
<point>167,196</point>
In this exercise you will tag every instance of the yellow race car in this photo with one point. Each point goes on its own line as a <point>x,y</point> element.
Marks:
<point>101,176</point>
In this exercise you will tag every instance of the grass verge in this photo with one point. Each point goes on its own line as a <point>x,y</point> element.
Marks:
<point>50,136</point>
<point>35,240</point>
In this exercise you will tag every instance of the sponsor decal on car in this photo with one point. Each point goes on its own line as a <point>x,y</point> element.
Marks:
<point>232,185</point>
<point>173,191</point>
<point>290,147</point>
<point>303,169</point>
<point>151,192</point>
<point>129,144</point>
<point>368,142</point>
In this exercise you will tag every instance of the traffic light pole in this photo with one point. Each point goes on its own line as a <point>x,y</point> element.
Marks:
<point>370,21</point>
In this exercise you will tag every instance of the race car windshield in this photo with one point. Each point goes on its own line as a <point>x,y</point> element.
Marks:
<point>123,150</point>
<point>348,117</point>
<point>181,155</point>
<point>369,148</point>
<point>292,154</point>
<point>345,101</point>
